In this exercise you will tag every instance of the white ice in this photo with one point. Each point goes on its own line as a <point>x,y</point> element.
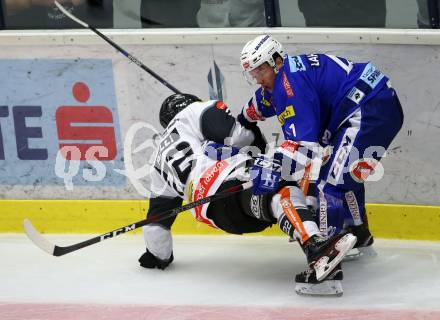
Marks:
<point>213,270</point>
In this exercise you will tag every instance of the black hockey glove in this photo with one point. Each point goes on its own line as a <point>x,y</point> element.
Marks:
<point>259,140</point>
<point>150,261</point>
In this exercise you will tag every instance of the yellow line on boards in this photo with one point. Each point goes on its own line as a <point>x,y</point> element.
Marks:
<point>392,221</point>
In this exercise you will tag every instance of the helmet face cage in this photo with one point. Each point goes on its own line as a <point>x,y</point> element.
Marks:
<point>173,105</point>
<point>262,49</point>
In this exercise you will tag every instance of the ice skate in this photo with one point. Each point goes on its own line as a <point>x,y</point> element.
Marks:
<point>307,284</point>
<point>364,244</point>
<point>323,255</point>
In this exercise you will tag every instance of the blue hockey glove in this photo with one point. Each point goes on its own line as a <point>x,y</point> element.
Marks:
<point>266,174</point>
<point>219,151</point>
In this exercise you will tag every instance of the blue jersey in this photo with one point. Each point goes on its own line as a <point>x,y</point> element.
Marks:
<point>314,94</point>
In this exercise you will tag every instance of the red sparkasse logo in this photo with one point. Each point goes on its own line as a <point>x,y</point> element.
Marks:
<point>96,124</point>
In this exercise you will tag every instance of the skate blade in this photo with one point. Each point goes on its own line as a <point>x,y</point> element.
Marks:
<point>368,252</point>
<point>360,253</point>
<point>327,288</point>
<point>323,266</point>
<point>352,255</point>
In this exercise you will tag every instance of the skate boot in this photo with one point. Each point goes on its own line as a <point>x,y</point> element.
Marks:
<point>364,237</point>
<point>307,284</point>
<point>323,254</point>
<point>150,261</point>
<point>363,246</point>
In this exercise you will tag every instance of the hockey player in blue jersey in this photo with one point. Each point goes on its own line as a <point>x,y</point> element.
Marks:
<point>322,100</point>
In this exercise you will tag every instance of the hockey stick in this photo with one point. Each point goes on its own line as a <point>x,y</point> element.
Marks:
<point>57,251</point>
<point>117,47</point>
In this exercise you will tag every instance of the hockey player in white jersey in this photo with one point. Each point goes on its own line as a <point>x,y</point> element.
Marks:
<point>198,155</point>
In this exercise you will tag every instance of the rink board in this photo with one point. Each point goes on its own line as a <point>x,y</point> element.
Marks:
<point>55,77</point>
<point>100,216</point>
<point>44,69</point>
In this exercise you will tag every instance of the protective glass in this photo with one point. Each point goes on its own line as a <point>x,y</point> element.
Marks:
<point>254,76</point>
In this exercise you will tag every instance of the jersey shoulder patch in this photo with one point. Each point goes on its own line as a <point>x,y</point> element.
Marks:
<point>296,64</point>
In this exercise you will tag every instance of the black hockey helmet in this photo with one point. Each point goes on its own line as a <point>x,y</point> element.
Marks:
<point>173,105</point>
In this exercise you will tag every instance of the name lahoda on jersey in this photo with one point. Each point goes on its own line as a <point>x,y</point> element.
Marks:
<point>313,59</point>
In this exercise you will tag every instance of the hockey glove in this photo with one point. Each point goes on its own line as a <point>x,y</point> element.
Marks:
<point>259,139</point>
<point>219,151</point>
<point>150,261</point>
<point>266,174</point>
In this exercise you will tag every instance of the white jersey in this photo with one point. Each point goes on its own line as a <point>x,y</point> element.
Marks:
<point>181,167</point>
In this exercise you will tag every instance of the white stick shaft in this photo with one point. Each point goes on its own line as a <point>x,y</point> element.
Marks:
<point>68,14</point>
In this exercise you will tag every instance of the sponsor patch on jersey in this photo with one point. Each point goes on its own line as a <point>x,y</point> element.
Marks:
<point>252,112</point>
<point>289,112</point>
<point>341,156</point>
<point>290,146</point>
<point>205,183</point>
<point>371,75</point>
<point>287,86</point>
<point>368,169</point>
<point>353,207</point>
<point>322,213</point>
<point>264,101</point>
<point>313,60</point>
<point>355,95</point>
<point>296,64</point>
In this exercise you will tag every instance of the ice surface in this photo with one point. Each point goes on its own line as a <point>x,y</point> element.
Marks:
<point>233,272</point>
